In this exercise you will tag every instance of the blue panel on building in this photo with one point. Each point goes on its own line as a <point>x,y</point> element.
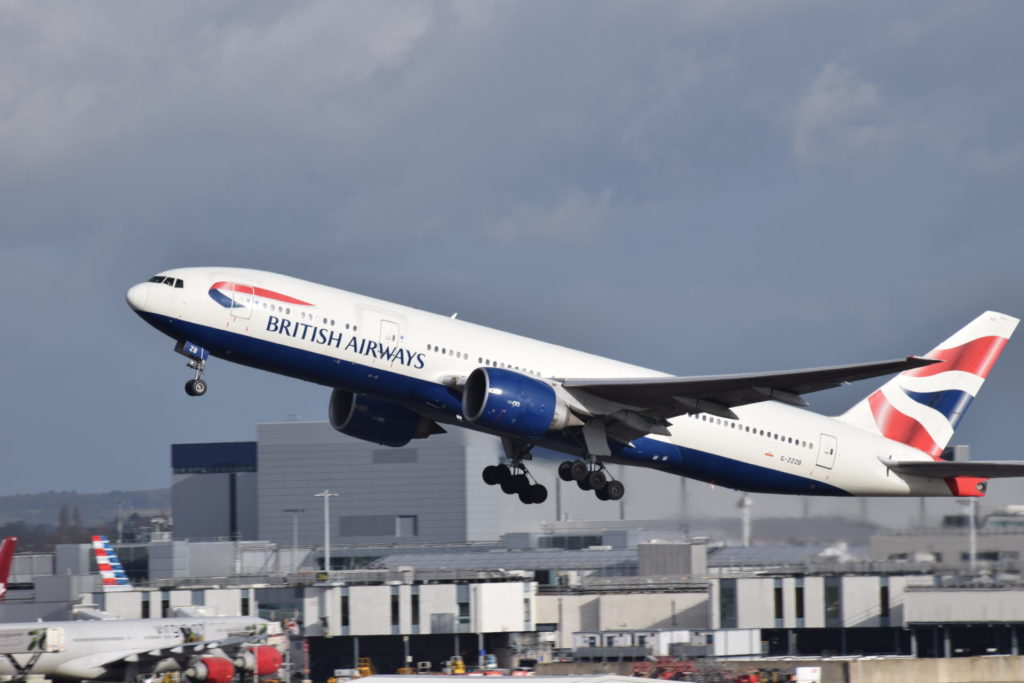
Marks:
<point>236,456</point>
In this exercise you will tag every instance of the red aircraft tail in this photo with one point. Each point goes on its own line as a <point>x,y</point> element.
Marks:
<point>6,556</point>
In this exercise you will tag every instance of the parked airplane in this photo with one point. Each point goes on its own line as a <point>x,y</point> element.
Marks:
<point>203,648</point>
<point>398,373</point>
<point>6,558</point>
<point>209,649</point>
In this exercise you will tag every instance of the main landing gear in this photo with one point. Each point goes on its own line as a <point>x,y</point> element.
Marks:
<point>197,356</point>
<point>514,478</point>
<point>592,477</point>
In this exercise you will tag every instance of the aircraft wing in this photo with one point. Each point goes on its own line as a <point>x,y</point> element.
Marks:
<point>942,469</point>
<point>670,396</point>
<point>182,653</point>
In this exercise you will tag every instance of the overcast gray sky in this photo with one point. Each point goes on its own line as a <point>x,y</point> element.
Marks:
<point>698,187</point>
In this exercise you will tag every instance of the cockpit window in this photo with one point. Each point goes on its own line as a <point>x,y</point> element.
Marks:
<point>169,281</point>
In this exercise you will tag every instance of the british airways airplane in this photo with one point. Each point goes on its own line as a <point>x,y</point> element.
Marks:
<point>398,373</point>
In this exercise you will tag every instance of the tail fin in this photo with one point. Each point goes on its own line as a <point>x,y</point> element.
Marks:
<point>6,557</point>
<point>114,578</point>
<point>922,407</point>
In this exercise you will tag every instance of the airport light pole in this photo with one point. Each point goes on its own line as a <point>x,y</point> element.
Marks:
<point>120,522</point>
<point>295,532</point>
<point>327,495</point>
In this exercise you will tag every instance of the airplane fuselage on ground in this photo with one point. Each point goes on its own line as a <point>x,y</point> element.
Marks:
<point>112,649</point>
<point>398,370</point>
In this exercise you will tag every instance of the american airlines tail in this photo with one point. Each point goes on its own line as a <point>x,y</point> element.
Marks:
<point>113,575</point>
<point>922,407</point>
<point>6,557</point>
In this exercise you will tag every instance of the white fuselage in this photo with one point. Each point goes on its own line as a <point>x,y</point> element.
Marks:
<point>409,356</point>
<point>104,648</point>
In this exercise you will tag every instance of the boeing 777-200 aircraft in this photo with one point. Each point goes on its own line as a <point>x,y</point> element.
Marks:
<point>399,373</point>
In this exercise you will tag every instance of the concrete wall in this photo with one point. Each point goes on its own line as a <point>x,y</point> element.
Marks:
<point>493,608</point>
<point>575,612</point>
<point>956,670</point>
<point>672,559</point>
<point>1003,669</point>
<point>964,605</point>
<point>435,480</point>
<point>950,545</point>
<point>501,607</point>
<point>755,603</point>
<point>861,600</point>
<point>201,505</point>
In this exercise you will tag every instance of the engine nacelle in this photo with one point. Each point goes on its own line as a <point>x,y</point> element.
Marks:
<point>261,659</point>
<point>211,670</point>
<point>513,403</point>
<point>373,419</point>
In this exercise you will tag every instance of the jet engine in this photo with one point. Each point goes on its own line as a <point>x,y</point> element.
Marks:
<point>373,419</point>
<point>211,670</point>
<point>513,403</point>
<point>261,659</point>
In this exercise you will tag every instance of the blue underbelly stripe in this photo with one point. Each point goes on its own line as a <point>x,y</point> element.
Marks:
<point>444,404</point>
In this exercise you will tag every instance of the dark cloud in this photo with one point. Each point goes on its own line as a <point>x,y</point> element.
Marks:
<point>696,187</point>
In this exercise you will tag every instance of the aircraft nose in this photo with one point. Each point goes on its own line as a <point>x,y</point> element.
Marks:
<point>136,296</point>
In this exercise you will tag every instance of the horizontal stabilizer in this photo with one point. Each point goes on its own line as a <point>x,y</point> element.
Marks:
<point>941,469</point>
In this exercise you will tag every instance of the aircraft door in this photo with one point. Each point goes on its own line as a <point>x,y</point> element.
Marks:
<point>389,333</point>
<point>390,336</point>
<point>828,448</point>
<point>243,298</point>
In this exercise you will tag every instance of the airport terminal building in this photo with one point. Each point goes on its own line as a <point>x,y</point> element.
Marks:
<point>428,562</point>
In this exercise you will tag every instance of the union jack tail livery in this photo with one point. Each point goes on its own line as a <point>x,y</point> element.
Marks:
<point>922,407</point>
<point>6,557</point>
<point>114,578</point>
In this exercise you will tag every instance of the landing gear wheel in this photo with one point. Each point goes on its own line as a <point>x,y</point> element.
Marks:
<point>195,387</point>
<point>538,493</point>
<point>491,475</point>
<point>584,484</point>
<point>508,486</point>
<point>565,470</point>
<point>615,490</point>
<point>520,483</point>
<point>578,469</point>
<point>597,480</point>
<point>602,494</point>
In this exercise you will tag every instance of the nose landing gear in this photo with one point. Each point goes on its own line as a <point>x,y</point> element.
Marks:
<point>197,356</point>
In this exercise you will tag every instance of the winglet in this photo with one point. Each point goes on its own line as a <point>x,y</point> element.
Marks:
<point>6,557</point>
<point>111,572</point>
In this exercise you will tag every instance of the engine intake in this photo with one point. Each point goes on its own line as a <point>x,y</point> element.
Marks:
<point>373,419</point>
<point>211,670</point>
<point>261,659</point>
<point>513,403</point>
